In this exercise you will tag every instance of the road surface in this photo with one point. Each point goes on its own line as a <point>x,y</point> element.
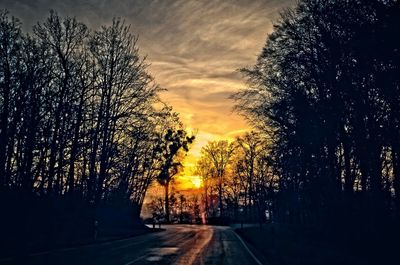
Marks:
<point>179,244</point>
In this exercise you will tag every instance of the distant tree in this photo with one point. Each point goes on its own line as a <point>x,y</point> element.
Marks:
<point>157,209</point>
<point>219,154</point>
<point>205,169</point>
<point>253,168</point>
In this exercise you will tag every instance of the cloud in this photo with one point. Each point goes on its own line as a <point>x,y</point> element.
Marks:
<point>194,46</point>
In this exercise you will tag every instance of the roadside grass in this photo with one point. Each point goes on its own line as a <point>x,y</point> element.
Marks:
<point>291,245</point>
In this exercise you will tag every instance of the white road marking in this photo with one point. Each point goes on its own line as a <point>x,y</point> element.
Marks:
<point>248,250</point>
<point>154,258</point>
<point>164,251</point>
<point>137,259</point>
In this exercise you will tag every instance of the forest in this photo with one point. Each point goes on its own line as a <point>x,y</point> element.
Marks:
<point>325,93</point>
<point>323,99</point>
<point>83,132</point>
<point>324,96</point>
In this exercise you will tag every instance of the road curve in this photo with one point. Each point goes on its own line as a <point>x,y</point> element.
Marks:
<point>179,244</point>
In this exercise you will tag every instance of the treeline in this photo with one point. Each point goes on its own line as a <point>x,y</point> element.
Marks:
<point>183,209</point>
<point>80,120</point>
<point>237,180</point>
<point>325,93</point>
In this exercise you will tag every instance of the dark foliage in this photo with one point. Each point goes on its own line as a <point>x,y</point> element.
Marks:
<point>325,91</point>
<point>79,130</point>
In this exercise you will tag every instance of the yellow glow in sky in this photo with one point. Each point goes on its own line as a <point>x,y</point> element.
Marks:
<point>194,48</point>
<point>188,182</point>
<point>196,180</point>
<point>198,65</point>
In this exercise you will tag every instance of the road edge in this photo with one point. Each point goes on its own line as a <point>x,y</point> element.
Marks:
<point>77,246</point>
<point>248,250</point>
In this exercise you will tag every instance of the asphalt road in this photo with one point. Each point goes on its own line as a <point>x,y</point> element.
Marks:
<point>179,244</point>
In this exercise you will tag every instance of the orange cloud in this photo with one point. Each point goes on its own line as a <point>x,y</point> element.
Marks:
<point>194,46</point>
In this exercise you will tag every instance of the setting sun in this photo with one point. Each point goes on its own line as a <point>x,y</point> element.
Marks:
<point>196,181</point>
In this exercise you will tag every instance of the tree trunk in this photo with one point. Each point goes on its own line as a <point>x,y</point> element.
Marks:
<point>396,180</point>
<point>166,186</point>
<point>220,196</point>
<point>4,124</point>
<point>74,148</point>
<point>348,181</point>
<point>91,182</point>
<point>206,196</point>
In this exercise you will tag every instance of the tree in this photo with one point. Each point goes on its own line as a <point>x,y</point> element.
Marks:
<point>253,168</point>
<point>219,153</point>
<point>10,67</point>
<point>63,38</point>
<point>204,169</point>
<point>81,126</point>
<point>175,142</point>
<point>319,90</point>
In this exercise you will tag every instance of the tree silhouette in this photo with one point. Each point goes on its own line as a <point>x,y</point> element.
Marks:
<point>320,90</point>
<point>219,154</point>
<point>82,128</point>
<point>174,143</point>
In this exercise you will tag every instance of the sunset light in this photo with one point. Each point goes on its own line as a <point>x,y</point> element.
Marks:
<point>196,181</point>
<point>194,132</point>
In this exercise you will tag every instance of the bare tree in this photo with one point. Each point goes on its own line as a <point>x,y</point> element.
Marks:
<point>219,153</point>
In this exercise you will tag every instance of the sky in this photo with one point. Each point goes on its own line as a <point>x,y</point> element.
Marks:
<point>195,48</point>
